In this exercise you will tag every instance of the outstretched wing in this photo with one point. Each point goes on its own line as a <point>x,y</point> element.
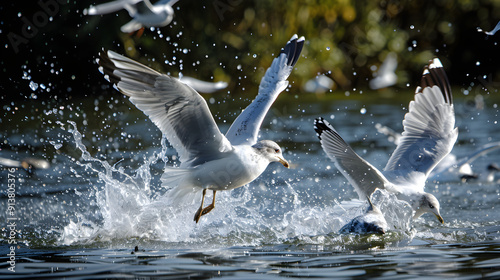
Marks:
<point>429,126</point>
<point>178,110</point>
<point>364,177</point>
<point>245,128</point>
<point>111,7</point>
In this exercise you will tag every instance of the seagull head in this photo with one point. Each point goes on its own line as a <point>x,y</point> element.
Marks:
<point>428,203</point>
<point>271,151</point>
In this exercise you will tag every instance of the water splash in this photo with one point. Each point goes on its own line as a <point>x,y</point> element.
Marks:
<point>267,211</point>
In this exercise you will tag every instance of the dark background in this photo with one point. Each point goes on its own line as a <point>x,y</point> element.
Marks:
<point>52,44</point>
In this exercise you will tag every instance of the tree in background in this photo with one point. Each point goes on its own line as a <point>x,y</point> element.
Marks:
<point>52,43</point>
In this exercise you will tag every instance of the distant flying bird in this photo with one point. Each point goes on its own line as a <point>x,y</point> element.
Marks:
<point>319,84</point>
<point>209,159</point>
<point>386,76</point>
<point>202,86</point>
<point>429,135</point>
<point>492,32</point>
<point>372,221</point>
<point>144,14</point>
<point>29,164</point>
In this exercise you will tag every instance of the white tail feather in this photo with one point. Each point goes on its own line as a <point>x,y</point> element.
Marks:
<point>174,180</point>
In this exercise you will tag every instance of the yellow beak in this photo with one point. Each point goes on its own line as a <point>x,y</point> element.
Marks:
<point>284,162</point>
<point>440,219</point>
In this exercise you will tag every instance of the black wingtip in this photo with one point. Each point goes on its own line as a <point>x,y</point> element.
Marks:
<point>106,67</point>
<point>293,49</point>
<point>434,75</point>
<point>320,126</point>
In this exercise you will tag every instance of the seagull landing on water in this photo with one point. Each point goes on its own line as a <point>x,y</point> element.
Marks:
<point>144,13</point>
<point>429,135</point>
<point>209,160</point>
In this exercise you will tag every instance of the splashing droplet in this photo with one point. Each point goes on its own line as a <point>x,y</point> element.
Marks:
<point>33,86</point>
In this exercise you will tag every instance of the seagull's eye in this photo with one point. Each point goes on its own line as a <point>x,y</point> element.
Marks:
<point>276,150</point>
<point>431,206</point>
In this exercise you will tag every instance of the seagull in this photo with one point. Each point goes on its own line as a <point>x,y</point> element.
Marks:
<point>492,169</point>
<point>429,135</point>
<point>202,86</point>
<point>319,84</point>
<point>144,13</point>
<point>461,168</point>
<point>385,76</point>
<point>492,32</point>
<point>451,167</point>
<point>372,221</point>
<point>29,164</point>
<point>209,159</point>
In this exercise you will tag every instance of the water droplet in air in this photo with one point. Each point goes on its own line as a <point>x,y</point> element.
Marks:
<point>363,111</point>
<point>57,146</point>
<point>33,86</point>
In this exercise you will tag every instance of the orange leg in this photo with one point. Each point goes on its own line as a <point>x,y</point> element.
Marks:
<point>209,207</point>
<point>198,214</point>
<point>139,32</point>
<point>203,211</point>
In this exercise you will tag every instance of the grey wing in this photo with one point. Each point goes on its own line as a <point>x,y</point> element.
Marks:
<point>110,7</point>
<point>143,7</point>
<point>167,2</point>
<point>429,126</point>
<point>180,113</point>
<point>245,128</point>
<point>364,177</point>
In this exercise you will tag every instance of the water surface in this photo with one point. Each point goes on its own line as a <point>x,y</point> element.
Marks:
<point>102,197</point>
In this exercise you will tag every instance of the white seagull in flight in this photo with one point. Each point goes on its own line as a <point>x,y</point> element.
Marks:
<point>386,75</point>
<point>202,86</point>
<point>209,160</point>
<point>429,135</point>
<point>144,13</point>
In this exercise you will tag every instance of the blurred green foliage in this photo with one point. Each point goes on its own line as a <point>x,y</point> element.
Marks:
<point>236,40</point>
